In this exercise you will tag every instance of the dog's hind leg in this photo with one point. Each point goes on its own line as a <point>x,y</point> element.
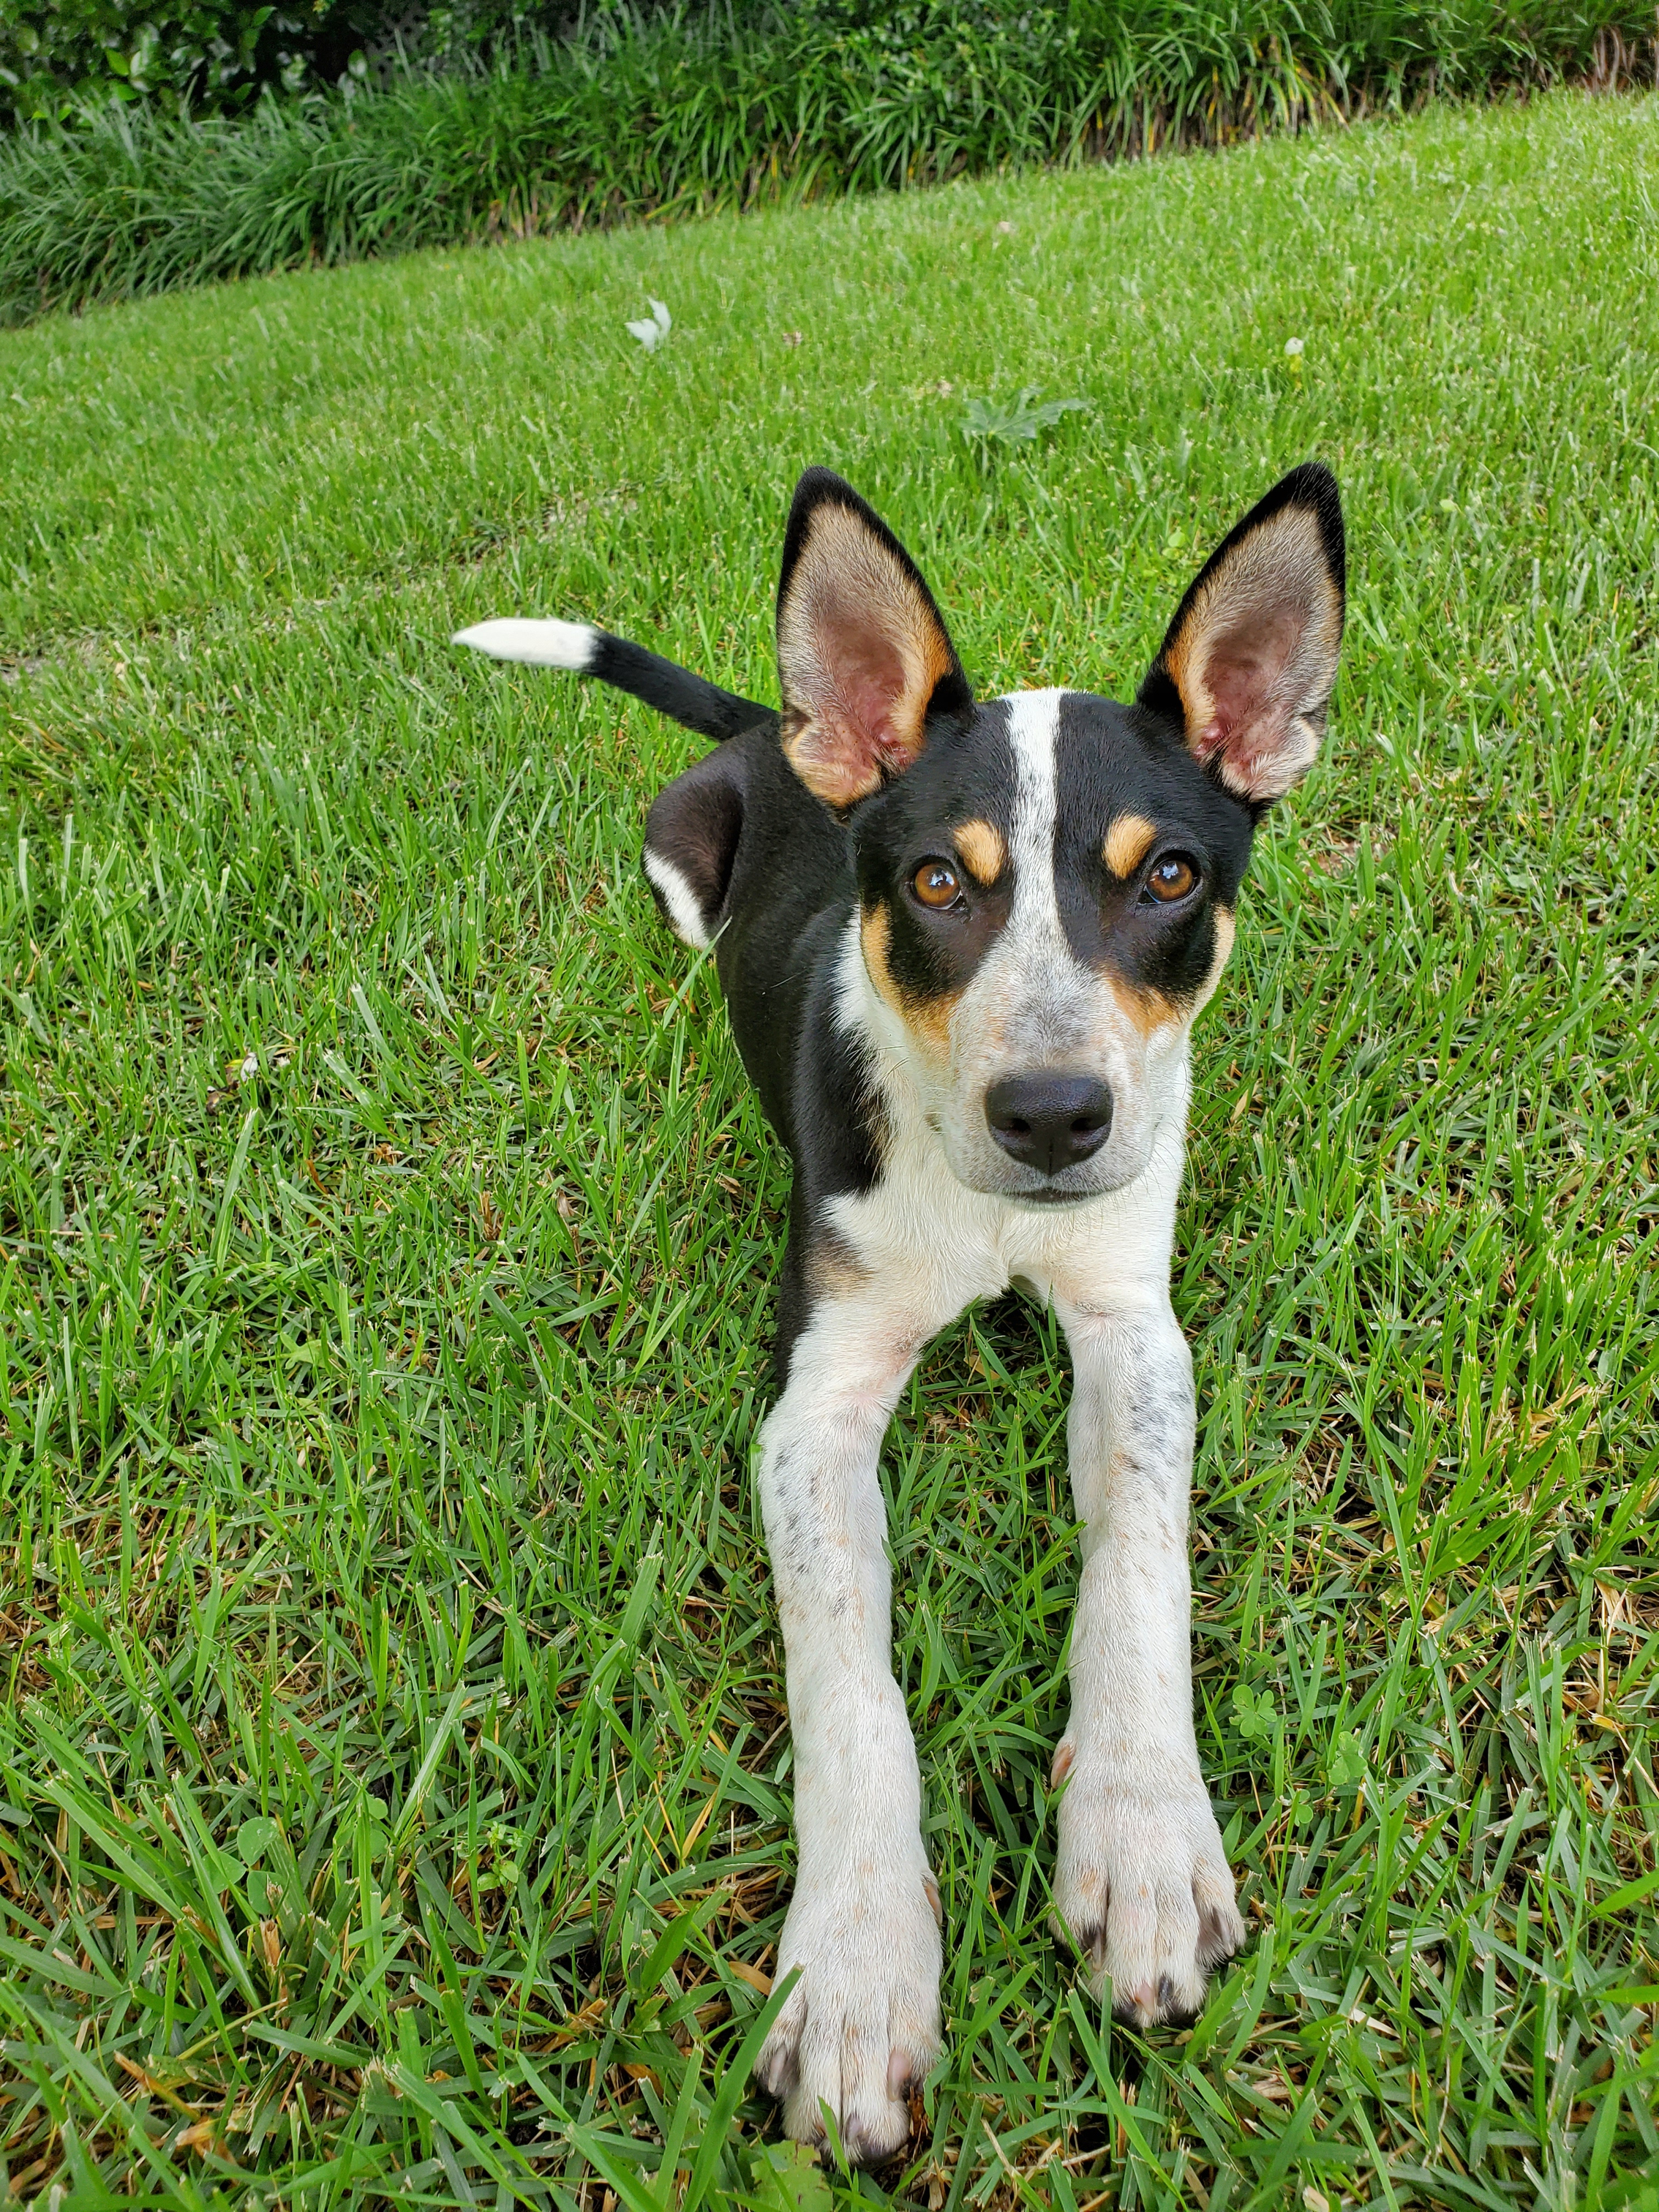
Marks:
<point>1142,1881</point>
<point>863,2020</point>
<point>691,841</point>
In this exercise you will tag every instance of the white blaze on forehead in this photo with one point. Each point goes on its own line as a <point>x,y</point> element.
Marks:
<point>1033,725</point>
<point>1033,1003</point>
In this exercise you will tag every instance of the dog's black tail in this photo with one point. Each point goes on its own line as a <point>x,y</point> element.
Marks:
<point>670,690</point>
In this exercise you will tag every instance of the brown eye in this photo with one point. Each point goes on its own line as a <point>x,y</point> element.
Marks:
<point>935,884</point>
<point>1171,877</point>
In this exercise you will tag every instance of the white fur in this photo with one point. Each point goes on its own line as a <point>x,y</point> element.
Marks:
<point>1142,1882</point>
<point>1033,726</point>
<point>680,899</point>
<point>542,644</point>
<point>862,1924</point>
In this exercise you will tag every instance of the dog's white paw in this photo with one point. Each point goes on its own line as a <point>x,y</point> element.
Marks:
<point>862,2025</point>
<point>1142,1885</point>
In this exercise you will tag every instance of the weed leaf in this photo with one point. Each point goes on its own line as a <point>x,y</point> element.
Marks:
<point>788,2178</point>
<point>986,423</point>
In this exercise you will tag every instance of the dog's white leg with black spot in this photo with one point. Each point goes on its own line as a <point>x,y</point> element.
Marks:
<point>1142,1881</point>
<point>863,2020</point>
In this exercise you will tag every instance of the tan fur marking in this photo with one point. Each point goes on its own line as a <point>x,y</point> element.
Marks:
<point>1150,1010</point>
<point>1224,945</point>
<point>1127,843</point>
<point>928,1020</point>
<point>984,852</point>
<point>875,935</point>
<point>1145,1010</point>
<point>854,625</point>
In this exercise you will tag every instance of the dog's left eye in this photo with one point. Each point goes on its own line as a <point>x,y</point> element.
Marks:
<point>935,884</point>
<point>1171,877</point>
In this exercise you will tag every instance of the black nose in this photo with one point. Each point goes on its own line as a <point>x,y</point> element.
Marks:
<point>1048,1120</point>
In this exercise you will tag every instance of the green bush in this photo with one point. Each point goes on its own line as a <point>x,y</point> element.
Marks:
<point>55,55</point>
<point>682,113</point>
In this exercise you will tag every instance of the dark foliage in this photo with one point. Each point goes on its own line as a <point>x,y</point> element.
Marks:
<point>57,55</point>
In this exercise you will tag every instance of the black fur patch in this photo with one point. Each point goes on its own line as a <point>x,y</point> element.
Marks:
<point>1112,761</point>
<point>671,690</point>
<point>966,775</point>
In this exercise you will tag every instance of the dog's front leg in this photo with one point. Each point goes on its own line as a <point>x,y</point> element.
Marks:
<point>863,2020</point>
<point>1142,1880</point>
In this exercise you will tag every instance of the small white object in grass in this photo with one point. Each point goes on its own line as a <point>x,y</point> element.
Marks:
<point>1293,346</point>
<point>249,1069</point>
<point>652,329</point>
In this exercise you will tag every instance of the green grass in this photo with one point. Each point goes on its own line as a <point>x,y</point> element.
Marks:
<point>395,1780</point>
<point>713,105</point>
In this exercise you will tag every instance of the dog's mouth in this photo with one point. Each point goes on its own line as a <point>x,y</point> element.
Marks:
<point>1053,1197</point>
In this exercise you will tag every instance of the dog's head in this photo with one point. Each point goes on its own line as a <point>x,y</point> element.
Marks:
<point>1047,882</point>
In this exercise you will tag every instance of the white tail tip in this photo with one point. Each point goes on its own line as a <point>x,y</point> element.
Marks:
<point>542,644</point>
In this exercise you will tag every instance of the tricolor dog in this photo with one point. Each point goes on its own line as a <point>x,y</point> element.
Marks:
<point>962,943</point>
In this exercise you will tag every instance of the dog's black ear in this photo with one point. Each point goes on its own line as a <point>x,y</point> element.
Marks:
<point>1250,657</point>
<point>863,657</point>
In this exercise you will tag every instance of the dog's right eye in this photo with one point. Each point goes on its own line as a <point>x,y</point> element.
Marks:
<point>935,884</point>
<point>1171,877</point>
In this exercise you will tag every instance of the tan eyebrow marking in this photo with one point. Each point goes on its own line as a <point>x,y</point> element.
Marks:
<point>984,854</point>
<point>1127,843</point>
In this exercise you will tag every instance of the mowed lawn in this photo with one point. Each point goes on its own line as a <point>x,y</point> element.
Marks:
<point>395,1782</point>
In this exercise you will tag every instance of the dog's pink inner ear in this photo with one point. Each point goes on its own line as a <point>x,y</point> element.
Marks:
<point>1242,677</point>
<point>1252,655</point>
<point>860,652</point>
<point>1244,671</point>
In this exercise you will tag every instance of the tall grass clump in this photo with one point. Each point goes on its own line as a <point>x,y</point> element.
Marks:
<point>685,112</point>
